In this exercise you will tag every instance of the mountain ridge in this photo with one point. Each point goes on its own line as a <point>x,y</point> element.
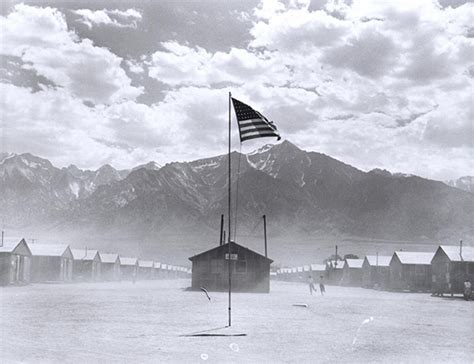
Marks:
<point>302,193</point>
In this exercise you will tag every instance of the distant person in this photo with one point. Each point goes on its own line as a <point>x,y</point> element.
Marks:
<point>467,289</point>
<point>311,285</point>
<point>322,289</point>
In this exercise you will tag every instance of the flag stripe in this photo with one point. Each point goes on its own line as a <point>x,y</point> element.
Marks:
<point>252,124</point>
<point>259,127</point>
<point>261,132</point>
<point>256,124</point>
<point>244,138</point>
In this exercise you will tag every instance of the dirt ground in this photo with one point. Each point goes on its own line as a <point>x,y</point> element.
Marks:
<point>149,321</point>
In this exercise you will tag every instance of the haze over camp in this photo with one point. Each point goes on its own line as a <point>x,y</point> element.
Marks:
<point>254,181</point>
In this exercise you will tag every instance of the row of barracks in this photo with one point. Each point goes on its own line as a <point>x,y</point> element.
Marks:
<point>22,263</point>
<point>446,269</point>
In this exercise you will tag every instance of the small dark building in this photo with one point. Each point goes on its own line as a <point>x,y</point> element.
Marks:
<point>128,268</point>
<point>376,271</point>
<point>352,272</point>
<point>109,266</point>
<point>250,270</point>
<point>15,259</point>
<point>411,271</point>
<point>51,262</point>
<point>334,271</point>
<point>451,266</point>
<point>86,265</point>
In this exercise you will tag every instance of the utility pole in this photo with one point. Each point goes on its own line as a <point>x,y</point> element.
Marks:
<point>265,233</point>
<point>3,227</point>
<point>377,267</point>
<point>229,206</point>
<point>221,240</point>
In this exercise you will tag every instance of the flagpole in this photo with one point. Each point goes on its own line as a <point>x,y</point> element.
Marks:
<point>229,214</point>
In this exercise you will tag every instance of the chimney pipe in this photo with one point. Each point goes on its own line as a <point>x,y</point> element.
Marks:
<point>460,250</point>
<point>265,233</point>
<point>222,231</point>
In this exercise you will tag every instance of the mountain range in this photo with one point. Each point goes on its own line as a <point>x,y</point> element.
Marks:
<point>303,194</point>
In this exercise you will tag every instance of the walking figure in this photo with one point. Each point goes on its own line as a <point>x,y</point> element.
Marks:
<point>322,289</point>
<point>467,289</point>
<point>311,285</point>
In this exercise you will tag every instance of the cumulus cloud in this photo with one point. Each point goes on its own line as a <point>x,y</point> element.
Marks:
<point>375,84</point>
<point>41,38</point>
<point>297,29</point>
<point>135,67</point>
<point>50,121</point>
<point>118,18</point>
<point>180,65</point>
<point>55,124</point>
<point>387,68</point>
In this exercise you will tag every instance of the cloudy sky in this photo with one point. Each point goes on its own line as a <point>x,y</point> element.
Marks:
<point>376,84</point>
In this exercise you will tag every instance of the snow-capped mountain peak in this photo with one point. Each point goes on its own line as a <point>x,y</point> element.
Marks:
<point>152,166</point>
<point>261,150</point>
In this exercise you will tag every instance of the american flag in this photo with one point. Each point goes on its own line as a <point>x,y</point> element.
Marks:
<point>252,124</point>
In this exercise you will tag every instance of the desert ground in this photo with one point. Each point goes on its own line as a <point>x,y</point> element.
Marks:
<point>152,321</point>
